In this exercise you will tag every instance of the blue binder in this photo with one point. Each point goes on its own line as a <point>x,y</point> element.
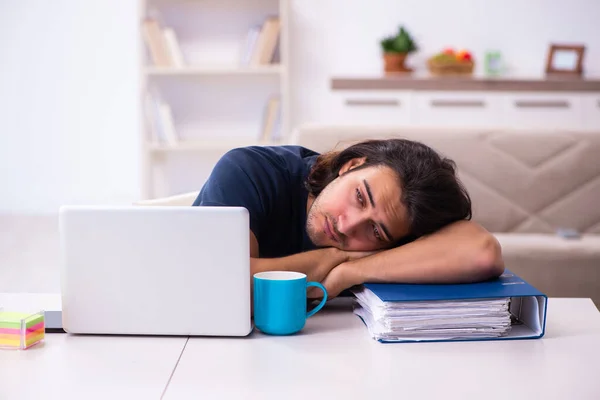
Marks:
<point>528,305</point>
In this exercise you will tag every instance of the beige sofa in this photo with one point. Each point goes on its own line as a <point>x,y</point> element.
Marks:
<point>525,185</point>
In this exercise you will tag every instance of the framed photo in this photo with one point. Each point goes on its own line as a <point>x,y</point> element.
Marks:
<point>565,59</point>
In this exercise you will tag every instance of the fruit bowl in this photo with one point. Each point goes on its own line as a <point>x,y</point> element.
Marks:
<point>450,62</point>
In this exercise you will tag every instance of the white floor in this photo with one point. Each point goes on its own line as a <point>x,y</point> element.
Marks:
<point>29,253</point>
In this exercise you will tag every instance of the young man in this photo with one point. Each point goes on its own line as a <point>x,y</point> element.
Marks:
<point>378,211</point>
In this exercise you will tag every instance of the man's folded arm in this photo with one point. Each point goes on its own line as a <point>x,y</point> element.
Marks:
<point>316,264</point>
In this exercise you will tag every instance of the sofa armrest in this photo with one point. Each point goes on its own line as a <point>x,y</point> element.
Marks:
<point>557,266</point>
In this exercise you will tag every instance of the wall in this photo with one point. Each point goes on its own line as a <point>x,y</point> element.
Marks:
<point>341,37</point>
<point>69,77</point>
<point>68,104</point>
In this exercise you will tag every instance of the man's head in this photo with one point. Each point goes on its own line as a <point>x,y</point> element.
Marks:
<point>379,193</point>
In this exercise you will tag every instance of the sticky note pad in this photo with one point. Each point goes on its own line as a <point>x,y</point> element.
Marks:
<point>19,330</point>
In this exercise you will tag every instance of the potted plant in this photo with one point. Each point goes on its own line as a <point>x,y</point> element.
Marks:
<point>395,49</point>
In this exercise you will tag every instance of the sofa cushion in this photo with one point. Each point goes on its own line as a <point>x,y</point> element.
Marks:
<point>526,181</point>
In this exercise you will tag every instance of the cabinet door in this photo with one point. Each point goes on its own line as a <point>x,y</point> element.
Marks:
<point>384,108</point>
<point>591,112</point>
<point>456,109</point>
<point>543,110</point>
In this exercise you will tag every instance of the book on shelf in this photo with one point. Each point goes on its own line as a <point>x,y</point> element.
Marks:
<point>172,42</point>
<point>251,39</point>
<point>261,43</point>
<point>162,44</point>
<point>503,308</point>
<point>271,126</point>
<point>160,119</point>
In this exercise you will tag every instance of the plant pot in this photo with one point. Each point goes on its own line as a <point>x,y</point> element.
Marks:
<point>394,62</point>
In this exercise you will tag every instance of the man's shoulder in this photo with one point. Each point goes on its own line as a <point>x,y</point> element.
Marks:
<point>285,151</point>
<point>269,157</point>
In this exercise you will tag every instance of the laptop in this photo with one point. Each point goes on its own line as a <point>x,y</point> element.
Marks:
<point>160,270</point>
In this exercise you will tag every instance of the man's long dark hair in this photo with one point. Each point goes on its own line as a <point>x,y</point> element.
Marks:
<point>431,190</point>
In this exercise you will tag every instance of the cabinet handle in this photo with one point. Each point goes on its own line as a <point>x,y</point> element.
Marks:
<point>457,103</point>
<point>372,102</point>
<point>542,104</point>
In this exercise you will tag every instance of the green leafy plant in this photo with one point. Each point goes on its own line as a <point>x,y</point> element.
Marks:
<point>401,42</point>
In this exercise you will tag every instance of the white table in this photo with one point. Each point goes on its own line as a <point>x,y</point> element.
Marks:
<point>334,358</point>
<point>77,367</point>
<point>85,367</point>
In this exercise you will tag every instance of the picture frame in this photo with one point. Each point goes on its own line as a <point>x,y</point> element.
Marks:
<point>565,59</point>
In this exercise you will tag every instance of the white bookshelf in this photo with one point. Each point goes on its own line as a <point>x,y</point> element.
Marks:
<point>217,102</point>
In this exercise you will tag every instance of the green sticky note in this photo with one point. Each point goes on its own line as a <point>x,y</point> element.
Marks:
<point>12,320</point>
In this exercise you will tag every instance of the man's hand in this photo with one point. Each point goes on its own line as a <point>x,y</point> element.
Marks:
<point>357,255</point>
<point>339,257</point>
<point>340,278</point>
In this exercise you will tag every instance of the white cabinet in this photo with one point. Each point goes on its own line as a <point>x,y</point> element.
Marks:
<point>591,111</point>
<point>542,110</point>
<point>467,109</point>
<point>450,109</point>
<point>371,107</point>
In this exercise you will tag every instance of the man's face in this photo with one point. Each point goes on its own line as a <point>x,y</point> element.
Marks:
<point>358,211</point>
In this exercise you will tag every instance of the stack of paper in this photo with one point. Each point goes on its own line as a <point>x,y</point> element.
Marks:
<point>433,320</point>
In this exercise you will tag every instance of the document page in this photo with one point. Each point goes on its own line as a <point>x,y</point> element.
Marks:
<point>432,320</point>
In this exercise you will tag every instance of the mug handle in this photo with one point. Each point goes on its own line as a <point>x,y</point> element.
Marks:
<point>322,303</point>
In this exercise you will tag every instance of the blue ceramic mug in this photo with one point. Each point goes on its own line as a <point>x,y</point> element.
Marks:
<point>280,301</point>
